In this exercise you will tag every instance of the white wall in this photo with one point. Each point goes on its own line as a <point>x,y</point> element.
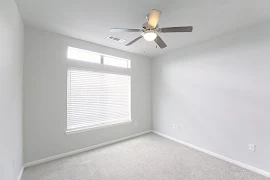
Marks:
<point>45,84</point>
<point>218,93</point>
<point>11,72</point>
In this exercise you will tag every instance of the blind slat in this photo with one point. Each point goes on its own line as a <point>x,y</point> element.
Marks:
<point>96,98</point>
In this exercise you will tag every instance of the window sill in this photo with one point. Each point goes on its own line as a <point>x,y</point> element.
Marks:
<point>90,128</point>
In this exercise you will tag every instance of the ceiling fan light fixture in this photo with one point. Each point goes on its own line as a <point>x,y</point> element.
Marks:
<point>150,30</point>
<point>150,36</point>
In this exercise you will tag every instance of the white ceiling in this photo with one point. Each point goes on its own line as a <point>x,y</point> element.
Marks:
<point>91,20</point>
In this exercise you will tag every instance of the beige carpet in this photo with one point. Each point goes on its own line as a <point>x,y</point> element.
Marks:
<point>148,157</point>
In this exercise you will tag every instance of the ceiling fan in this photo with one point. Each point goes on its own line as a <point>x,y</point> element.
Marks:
<point>150,29</point>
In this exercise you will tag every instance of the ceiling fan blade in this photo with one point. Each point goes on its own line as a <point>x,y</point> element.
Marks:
<point>134,40</point>
<point>177,29</point>
<point>153,18</point>
<point>160,42</point>
<point>124,30</point>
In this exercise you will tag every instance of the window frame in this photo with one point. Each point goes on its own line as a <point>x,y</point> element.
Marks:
<point>98,67</point>
<point>101,58</point>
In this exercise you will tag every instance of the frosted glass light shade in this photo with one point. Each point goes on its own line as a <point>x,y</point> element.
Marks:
<point>150,36</point>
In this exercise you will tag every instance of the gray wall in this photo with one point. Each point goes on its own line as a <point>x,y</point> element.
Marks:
<point>45,84</point>
<point>11,72</point>
<point>218,94</point>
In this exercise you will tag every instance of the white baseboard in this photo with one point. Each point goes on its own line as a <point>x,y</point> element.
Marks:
<point>21,173</point>
<point>243,165</point>
<point>82,150</point>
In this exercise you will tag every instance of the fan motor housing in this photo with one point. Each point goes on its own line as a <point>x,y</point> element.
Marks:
<point>147,27</point>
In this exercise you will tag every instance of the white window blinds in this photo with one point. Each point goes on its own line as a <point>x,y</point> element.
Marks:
<point>96,98</point>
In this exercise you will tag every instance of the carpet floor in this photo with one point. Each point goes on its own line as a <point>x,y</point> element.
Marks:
<point>148,157</point>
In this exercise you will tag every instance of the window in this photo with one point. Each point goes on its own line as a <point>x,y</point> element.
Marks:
<point>98,94</point>
<point>88,56</point>
<point>83,55</point>
<point>116,62</point>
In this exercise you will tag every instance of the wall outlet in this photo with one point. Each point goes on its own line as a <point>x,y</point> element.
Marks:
<point>176,126</point>
<point>252,147</point>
